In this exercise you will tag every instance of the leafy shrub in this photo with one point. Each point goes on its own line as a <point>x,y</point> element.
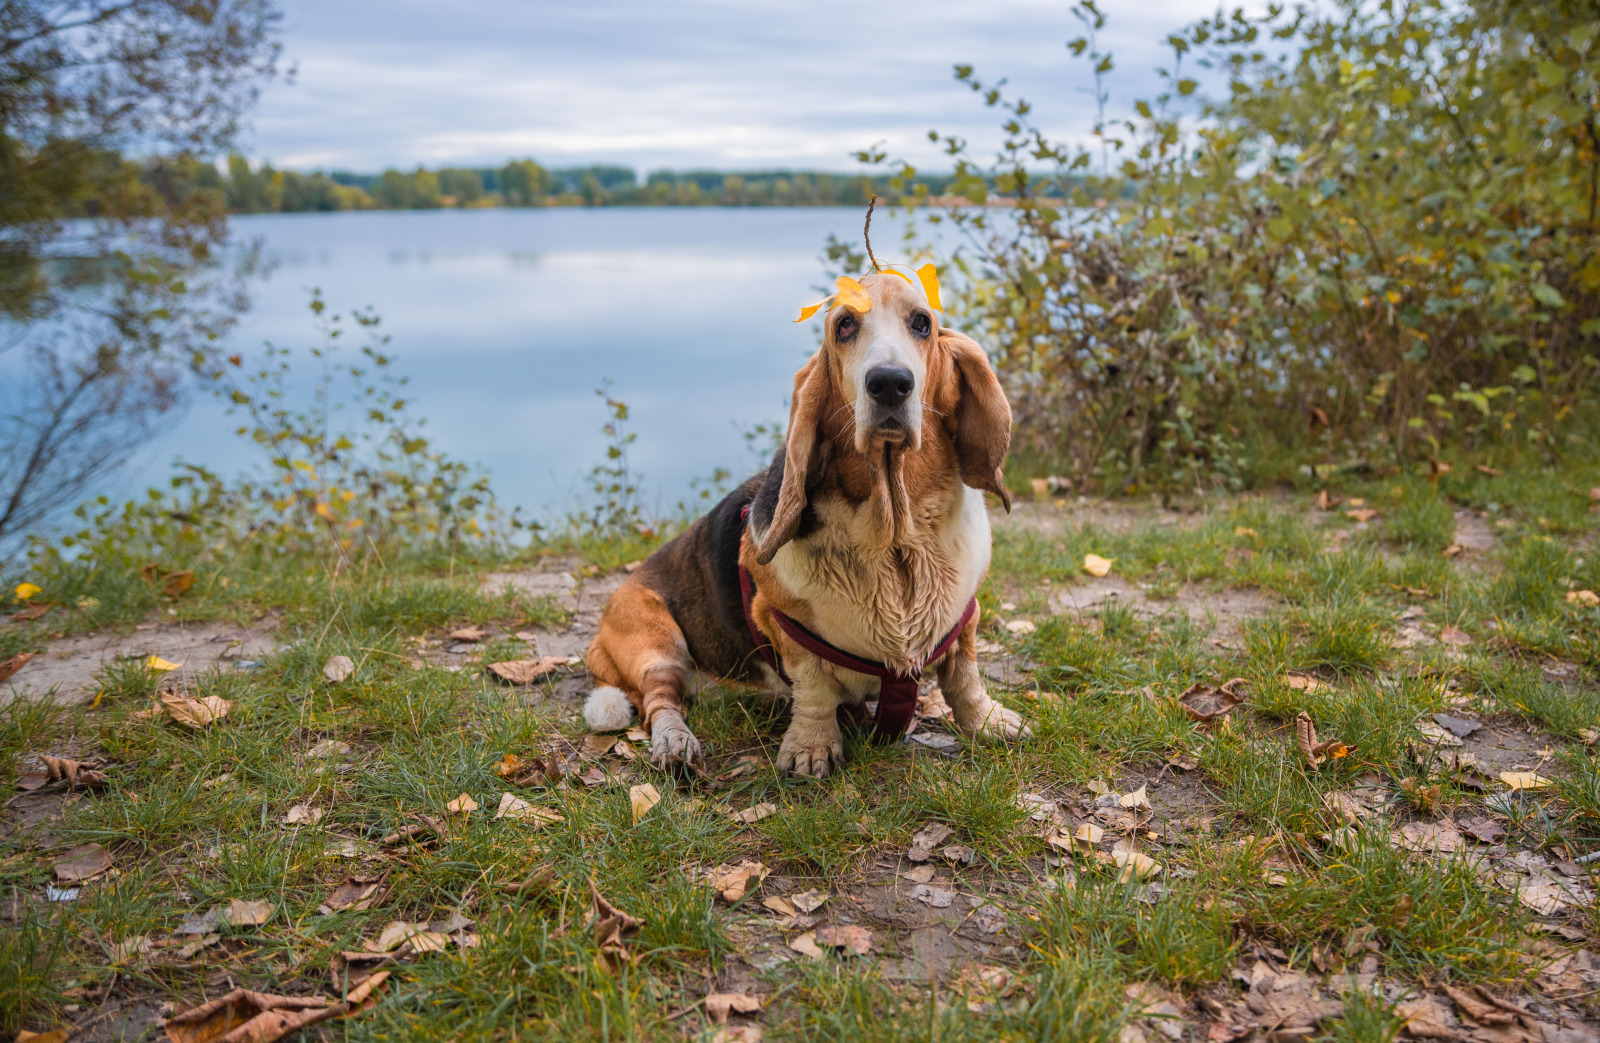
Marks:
<point>1379,239</point>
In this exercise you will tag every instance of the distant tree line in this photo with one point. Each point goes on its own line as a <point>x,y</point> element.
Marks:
<point>523,183</point>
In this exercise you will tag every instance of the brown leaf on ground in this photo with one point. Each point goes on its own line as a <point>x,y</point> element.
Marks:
<point>1316,752</point>
<point>355,894</point>
<point>530,771</point>
<point>1345,808</point>
<point>926,839</point>
<point>643,798</point>
<point>1486,470</point>
<point>527,671</point>
<point>1135,864</point>
<point>1524,780</point>
<point>919,874</point>
<point>1483,828</point>
<point>176,584</point>
<point>53,1036</point>
<point>734,882</point>
<point>243,1016</point>
<point>1479,1011</point>
<point>780,905</point>
<point>1428,1018</point>
<point>84,862</point>
<point>806,945</point>
<point>1138,800</point>
<point>750,816</point>
<point>517,809</point>
<point>846,936</point>
<point>63,769</point>
<point>1326,501</point>
<point>1302,682</point>
<point>1429,838</point>
<point>1361,514</point>
<point>196,713</point>
<point>338,667</point>
<point>1289,1007</point>
<point>1583,598</point>
<point>469,634</point>
<point>613,929</point>
<point>15,663</point>
<point>462,805</point>
<point>809,901</point>
<point>1203,702</point>
<point>303,813</point>
<point>720,1004</point>
<point>1451,634</point>
<point>242,913</point>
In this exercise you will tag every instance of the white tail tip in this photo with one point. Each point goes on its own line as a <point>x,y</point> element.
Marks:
<point>607,710</point>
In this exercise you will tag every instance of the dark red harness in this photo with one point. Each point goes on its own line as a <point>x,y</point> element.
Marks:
<point>897,690</point>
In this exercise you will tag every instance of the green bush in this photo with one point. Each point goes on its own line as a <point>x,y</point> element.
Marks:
<point>1379,238</point>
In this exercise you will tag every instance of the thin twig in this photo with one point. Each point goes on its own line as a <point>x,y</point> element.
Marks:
<point>866,232</point>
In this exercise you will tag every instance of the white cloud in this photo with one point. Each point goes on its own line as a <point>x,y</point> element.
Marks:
<point>654,84</point>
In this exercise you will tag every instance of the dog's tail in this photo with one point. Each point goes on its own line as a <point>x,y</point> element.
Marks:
<point>607,710</point>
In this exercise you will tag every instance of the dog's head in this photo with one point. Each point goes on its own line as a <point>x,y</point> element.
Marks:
<point>887,382</point>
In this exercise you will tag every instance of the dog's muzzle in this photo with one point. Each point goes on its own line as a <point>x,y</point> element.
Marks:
<point>889,389</point>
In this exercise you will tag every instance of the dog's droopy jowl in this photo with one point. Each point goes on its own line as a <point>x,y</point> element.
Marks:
<point>868,530</point>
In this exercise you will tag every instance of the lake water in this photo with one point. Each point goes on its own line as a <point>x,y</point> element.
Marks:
<point>507,320</point>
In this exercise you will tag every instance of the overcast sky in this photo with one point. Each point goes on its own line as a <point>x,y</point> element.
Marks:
<point>734,84</point>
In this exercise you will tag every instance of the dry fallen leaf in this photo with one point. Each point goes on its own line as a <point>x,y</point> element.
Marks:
<point>242,913</point>
<point>242,1016</point>
<point>643,798</point>
<point>1429,838</point>
<point>926,839</point>
<point>1583,598</point>
<point>720,1004</point>
<point>1302,682</point>
<point>1315,752</point>
<point>517,809</point>
<point>15,663</point>
<point>1453,635</point>
<point>303,813</point>
<point>919,874</point>
<point>1361,514</point>
<point>1138,800</point>
<point>1135,865</point>
<point>462,805</point>
<point>806,945</point>
<point>354,894</point>
<point>613,928</point>
<point>176,584</point>
<point>750,816</point>
<point>164,666</point>
<point>196,713</point>
<point>469,634</point>
<point>1095,565</point>
<point>733,882</point>
<point>338,667</point>
<point>63,769</point>
<point>809,901</point>
<point>83,862</point>
<point>1524,780</point>
<point>846,936</point>
<point>1345,808</point>
<point>1204,703</point>
<point>527,671</point>
<point>780,904</point>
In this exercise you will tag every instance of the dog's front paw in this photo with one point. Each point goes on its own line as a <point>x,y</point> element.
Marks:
<point>811,748</point>
<point>993,721</point>
<point>671,741</point>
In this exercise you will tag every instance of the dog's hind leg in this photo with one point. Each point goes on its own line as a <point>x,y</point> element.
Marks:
<point>641,651</point>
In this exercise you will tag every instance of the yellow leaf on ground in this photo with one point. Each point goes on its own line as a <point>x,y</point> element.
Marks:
<point>733,882</point>
<point>1521,780</point>
<point>643,798</point>
<point>852,294</point>
<point>1365,514</point>
<point>928,275</point>
<point>1095,565</point>
<point>248,914</point>
<point>1135,865</point>
<point>25,591</point>
<point>462,805</point>
<point>155,662</point>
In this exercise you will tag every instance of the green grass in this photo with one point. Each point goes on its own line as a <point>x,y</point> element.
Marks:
<point>186,838</point>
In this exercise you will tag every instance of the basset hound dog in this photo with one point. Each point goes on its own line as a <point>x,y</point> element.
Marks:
<point>844,569</point>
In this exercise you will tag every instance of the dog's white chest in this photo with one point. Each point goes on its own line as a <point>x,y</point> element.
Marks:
<point>892,604</point>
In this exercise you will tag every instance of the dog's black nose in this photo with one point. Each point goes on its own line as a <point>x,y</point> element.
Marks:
<point>890,385</point>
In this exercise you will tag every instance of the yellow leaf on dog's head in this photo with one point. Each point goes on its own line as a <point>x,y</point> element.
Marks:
<point>1095,565</point>
<point>852,294</point>
<point>811,309</point>
<point>930,285</point>
<point>896,272</point>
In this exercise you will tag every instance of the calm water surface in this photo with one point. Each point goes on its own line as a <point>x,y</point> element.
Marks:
<point>507,320</point>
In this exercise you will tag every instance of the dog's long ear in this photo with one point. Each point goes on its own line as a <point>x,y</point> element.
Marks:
<point>799,455</point>
<point>983,417</point>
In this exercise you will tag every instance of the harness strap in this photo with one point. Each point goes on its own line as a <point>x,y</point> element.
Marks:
<point>897,690</point>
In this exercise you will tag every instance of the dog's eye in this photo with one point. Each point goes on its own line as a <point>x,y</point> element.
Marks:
<point>921,324</point>
<point>846,327</point>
